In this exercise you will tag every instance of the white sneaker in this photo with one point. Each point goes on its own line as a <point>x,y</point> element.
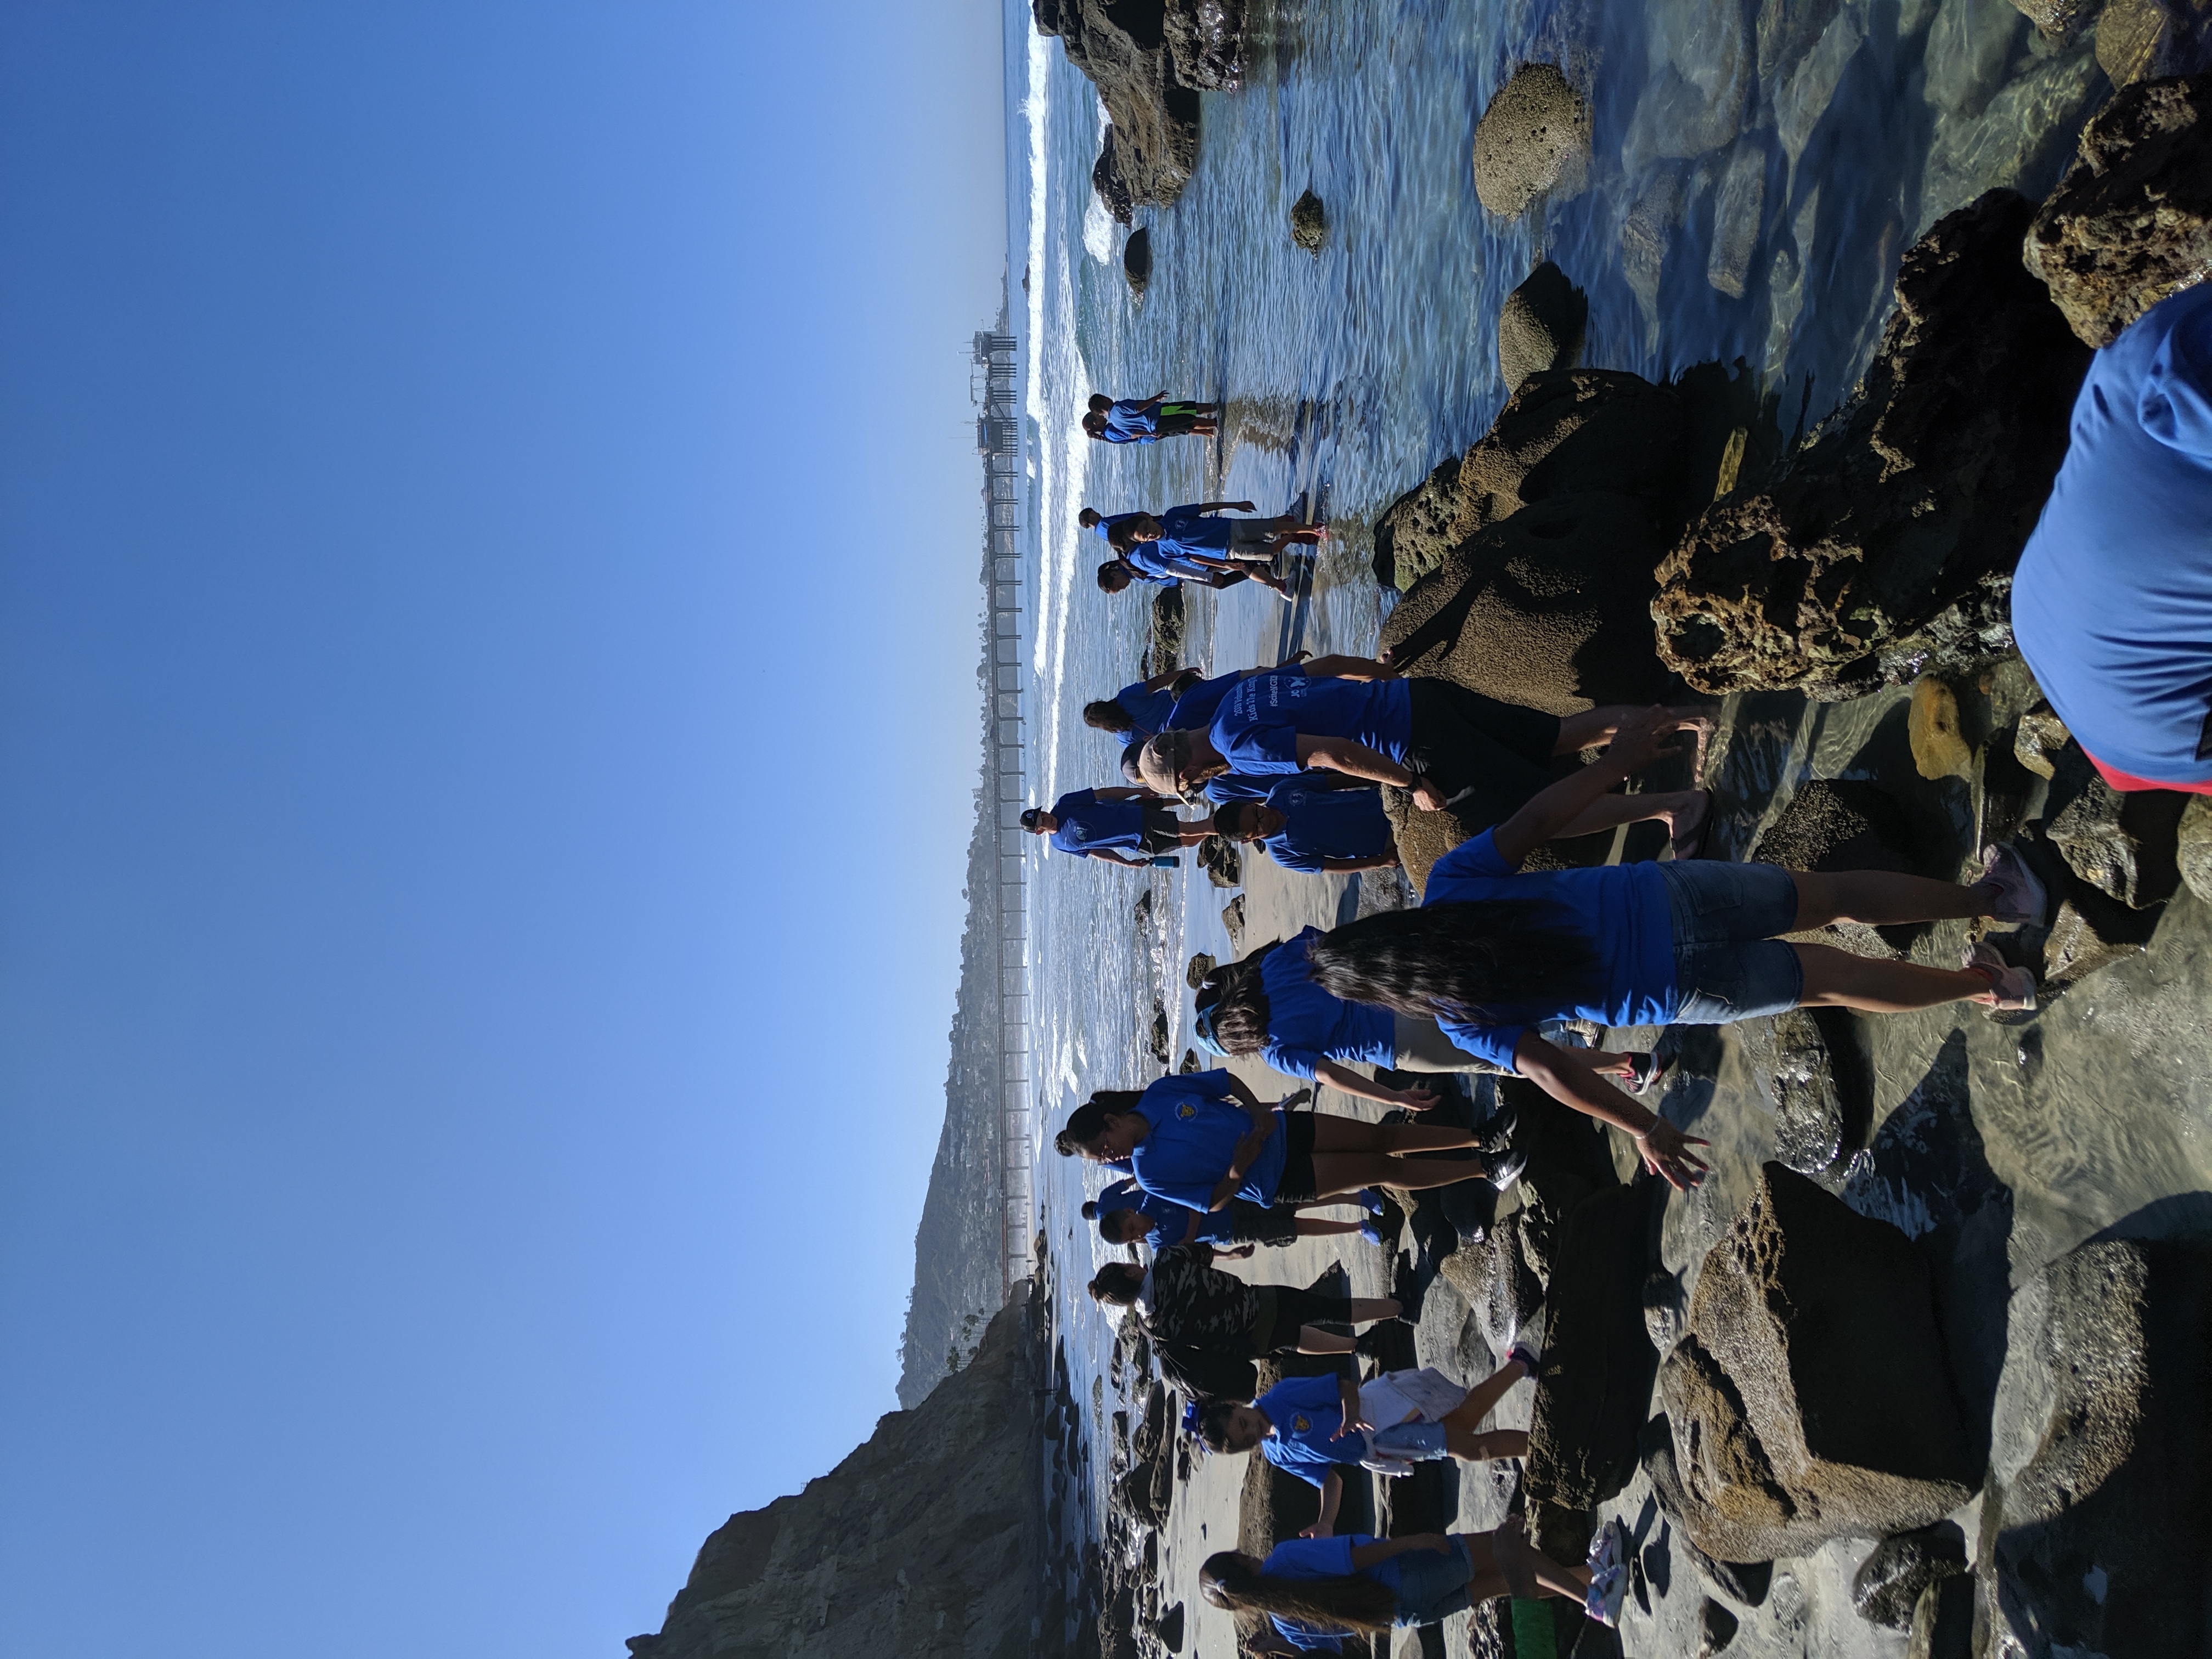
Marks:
<point>1607,1591</point>
<point>2015,986</point>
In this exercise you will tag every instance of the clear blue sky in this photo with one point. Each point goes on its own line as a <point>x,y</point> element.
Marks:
<point>488,538</point>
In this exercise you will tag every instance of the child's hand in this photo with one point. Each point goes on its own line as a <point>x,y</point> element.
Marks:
<point>1642,738</point>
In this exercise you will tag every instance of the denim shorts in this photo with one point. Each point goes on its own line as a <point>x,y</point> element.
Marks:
<point>1431,1585</point>
<point>1727,963</point>
<point>1410,1443</point>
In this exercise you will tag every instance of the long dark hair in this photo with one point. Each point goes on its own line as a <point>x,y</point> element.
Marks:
<point>1458,961</point>
<point>1106,714</point>
<point>1239,1001</point>
<point>1348,1604</point>
<point>1088,1122</point>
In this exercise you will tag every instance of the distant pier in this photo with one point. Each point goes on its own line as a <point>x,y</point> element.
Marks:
<point>999,440</point>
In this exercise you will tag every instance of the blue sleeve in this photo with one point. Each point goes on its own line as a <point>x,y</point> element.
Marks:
<point>1287,1458</point>
<point>1189,1195</point>
<point>1263,748</point>
<point>2175,406</point>
<point>1293,1062</point>
<point>1313,1394</point>
<point>1287,857</point>
<point>1494,1043</point>
<point>1314,1558</point>
<point>1475,860</point>
<point>1304,1638</point>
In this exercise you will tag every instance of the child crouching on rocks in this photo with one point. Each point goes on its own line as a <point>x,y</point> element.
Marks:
<point>1307,1426</point>
<point>1493,953</point>
<point>1182,1298</point>
<point>1316,1591</point>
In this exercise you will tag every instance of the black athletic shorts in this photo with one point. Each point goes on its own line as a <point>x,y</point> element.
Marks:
<point>1296,1309</point>
<point>1297,1186</point>
<point>1161,833</point>
<point>1489,759</point>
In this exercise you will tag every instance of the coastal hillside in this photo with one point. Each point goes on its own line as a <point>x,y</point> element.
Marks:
<point>957,1285</point>
<point>926,1542</point>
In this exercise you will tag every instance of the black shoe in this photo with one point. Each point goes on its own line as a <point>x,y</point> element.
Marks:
<point>1406,1286</point>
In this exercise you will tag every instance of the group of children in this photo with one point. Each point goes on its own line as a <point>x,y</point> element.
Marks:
<point>1492,972</point>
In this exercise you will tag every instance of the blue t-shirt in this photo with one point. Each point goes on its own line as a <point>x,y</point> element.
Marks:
<point>1323,1557</point>
<point>1087,822</point>
<point>1149,709</point>
<point>2113,601</point>
<point>1104,527</point>
<point>1196,1123</point>
<point>1226,787</point>
<point>1320,824</point>
<point>1128,421</point>
<point>1622,910</point>
<point>1306,1025</point>
<point>1309,1440</point>
<point>1171,1222</point>
<point>1260,721</point>
<point>1194,711</point>
<point>1186,530</point>
<point>1160,561</point>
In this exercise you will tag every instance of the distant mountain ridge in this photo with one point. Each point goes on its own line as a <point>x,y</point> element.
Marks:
<point>956,1284</point>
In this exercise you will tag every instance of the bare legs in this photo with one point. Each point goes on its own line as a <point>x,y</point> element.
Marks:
<point>1312,1339</point>
<point>1461,1438</point>
<point>1347,1172</point>
<point>1506,1564</point>
<point>1351,1134</point>
<point>1314,1226</point>
<point>1684,810</point>
<point>1837,979</point>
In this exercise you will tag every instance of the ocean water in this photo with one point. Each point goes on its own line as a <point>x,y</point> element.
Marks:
<point>1758,171</point>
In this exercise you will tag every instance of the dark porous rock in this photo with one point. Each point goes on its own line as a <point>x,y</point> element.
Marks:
<point>1308,224</point>
<point>1190,1062</point>
<point>2038,740</point>
<point>2131,222</point>
<point>1594,1382</point>
<point>1809,1076</point>
<point>1887,544</point>
<point>2098,1542</point>
<point>1130,50</point>
<point>1168,1628</point>
<point>1159,1042</point>
<point>1232,921</point>
<point>1663,1308</point>
<point>1563,433</point>
<point>1205,43</point>
<point>2090,931</point>
<point>1541,325</point>
<point>1167,628</point>
<point>1745,1581</point>
<point>2058,20</point>
<point>1887,1587</point>
<point>1194,972</point>
<point>1136,262</point>
<point>1840,824</point>
<point>1533,141</point>
<point>2193,846</point>
<point>2123,845</point>
<point>1501,1277</point>
<point>1943,1621</point>
<point>1716,1628</point>
<point>1549,609</point>
<point>1812,1398</point>
<point>1223,864</point>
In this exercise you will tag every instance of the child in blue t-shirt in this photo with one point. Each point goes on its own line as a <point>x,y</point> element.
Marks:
<point>1315,1591</point>
<point>1493,953</point>
<point>1121,826</point>
<point>1147,420</point>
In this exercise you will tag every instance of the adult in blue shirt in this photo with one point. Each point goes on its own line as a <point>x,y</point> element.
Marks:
<point>1121,826</point>
<point>1450,746</point>
<point>1269,1004</point>
<point>1147,420</point>
<point>2112,604</point>
<point>1127,1215</point>
<point>1493,952</point>
<point>1203,1138</point>
<point>1316,1591</point>
<point>1298,1426</point>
